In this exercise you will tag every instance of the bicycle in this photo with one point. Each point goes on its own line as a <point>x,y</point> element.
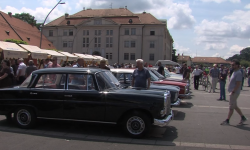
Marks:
<point>206,85</point>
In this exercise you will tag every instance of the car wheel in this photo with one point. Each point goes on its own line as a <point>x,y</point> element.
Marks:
<point>136,124</point>
<point>25,118</point>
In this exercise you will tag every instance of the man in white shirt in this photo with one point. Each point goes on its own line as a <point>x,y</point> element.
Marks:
<point>21,71</point>
<point>177,69</point>
<point>196,73</point>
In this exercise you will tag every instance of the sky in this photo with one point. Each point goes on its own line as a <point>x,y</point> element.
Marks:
<point>209,28</point>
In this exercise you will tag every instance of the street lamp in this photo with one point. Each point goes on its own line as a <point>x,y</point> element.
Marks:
<point>45,21</point>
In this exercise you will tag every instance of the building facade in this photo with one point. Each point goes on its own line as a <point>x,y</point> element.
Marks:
<point>184,59</point>
<point>116,34</point>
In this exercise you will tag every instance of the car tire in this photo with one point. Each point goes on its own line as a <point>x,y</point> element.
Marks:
<point>136,124</point>
<point>25,118</point>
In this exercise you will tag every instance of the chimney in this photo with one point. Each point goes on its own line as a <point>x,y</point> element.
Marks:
<point>66,15</point>
<point>126,7</point>
<point>10,14</point>
<point>144,12</point>
<point>83,8</point>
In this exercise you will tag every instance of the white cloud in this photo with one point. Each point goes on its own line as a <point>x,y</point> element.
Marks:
<point>216,55</point>
<point>49,3</point>
<point>247,6</point>
<point>40,13</point>
<point>235,49</point>
<point>220,1</point>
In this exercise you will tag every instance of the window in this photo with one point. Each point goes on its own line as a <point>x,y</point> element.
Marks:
<point>107,55</point>
<point>152,32</point>
<point>85,42</point>
<point>132,56</point>
<point>126,56</point>
<point>109,42</point>
<point>133,31</point>
<point>152,44</point>
<point>151,57</point>
<point>107,32</point>
<point>126,44</point>
<point>98,32</point>
<point>80,82</point>
<point>85,32</point>
<point>110,56</point>
<point>111,32</point>
<point>50,32</point>
<point>51,81</point>
<point>70,43</point>
<point>97,42</point>
<point>65,32</point>
<point>70,32</point>
<point>65,44</point>
<point>126,31</point>
<point>98,22</point>
<point>132,43</point>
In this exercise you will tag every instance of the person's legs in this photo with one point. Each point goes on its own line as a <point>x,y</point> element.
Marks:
<point>224,90</point>
<point>213,84</point>
<point>197,85</point>
<point>249,82</point>
<point>194,82</point>
<point>221,92</point>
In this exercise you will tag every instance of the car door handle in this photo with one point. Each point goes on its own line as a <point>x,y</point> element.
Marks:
<point>67,95</point>
<point>33,93</point>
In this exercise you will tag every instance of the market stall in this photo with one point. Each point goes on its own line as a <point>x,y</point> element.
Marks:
<point>70,57</point>
<point>60,57</point>
<point>12,51</point>
<point>35,52</point>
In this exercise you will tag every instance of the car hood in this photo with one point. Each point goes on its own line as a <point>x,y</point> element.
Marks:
<point>164,87</point>
<point>170,83</point>
<point>140,92</point>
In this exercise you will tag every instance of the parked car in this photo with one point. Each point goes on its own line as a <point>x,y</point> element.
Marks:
<point>124,76</point>
<point>87,95</point>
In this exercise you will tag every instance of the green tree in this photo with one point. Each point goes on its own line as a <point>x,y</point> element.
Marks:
<point>245,63</point>
<point>26,17</point>
<point>174,56</point>
<point>16,41</point>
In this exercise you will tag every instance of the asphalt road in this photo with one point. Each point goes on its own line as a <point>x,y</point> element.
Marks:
<point>196,126</point>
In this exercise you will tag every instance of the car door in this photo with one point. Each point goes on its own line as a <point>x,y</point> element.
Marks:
<point>47,95</point>
<point>83,101</point>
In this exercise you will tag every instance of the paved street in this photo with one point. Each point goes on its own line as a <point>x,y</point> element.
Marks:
<point>196,126</point>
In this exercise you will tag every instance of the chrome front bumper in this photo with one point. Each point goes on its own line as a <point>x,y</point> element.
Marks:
<point>177,103</point>
<point>164,122</point>
<point>185,95</point>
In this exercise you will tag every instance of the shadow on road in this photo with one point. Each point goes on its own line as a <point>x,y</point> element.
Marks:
<point>185,104</point>
<point>179,115</point>
<point>243,127</point>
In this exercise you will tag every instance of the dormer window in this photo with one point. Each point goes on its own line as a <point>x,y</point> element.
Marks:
<point>28,38</point>
<point>98,22</point>
<point>7,32</point>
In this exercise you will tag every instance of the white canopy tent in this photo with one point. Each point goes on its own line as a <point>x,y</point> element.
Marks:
<point>36,52</point>
<point>70,57</point>
<point>85,57</point>
<point>60,57</point>
<point>12,50</point>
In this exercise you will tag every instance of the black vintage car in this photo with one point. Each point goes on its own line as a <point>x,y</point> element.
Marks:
<point>124,76</point>
<point>84,94</point>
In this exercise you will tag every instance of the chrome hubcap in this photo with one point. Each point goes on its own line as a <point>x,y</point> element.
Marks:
<point>23,117</point>
<point>135,125</point>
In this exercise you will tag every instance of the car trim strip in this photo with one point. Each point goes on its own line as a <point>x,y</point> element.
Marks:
<point>77,120</point>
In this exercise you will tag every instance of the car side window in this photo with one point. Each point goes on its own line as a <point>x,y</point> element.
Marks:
<point>128,78</point>
<point>120,77</point>
<point>81,82</point>
<point>51,81</point>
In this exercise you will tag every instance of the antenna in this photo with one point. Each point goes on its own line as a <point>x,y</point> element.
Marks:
<point>111,6</point>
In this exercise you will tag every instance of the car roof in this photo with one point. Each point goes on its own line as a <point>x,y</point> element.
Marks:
<point>130,70</point>
<point>68,70</point>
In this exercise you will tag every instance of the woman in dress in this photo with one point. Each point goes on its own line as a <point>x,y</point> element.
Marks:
<point>5,75</point>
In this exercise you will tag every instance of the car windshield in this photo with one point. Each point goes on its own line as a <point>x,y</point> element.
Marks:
<point>153,76</point>
<point>158,74</point>
<point>26,82</point>
<point>106,80</point>
<point>167,73</point>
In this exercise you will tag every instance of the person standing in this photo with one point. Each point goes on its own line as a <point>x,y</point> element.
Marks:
<point>196,73</point>
<point>248,75</point>
<point>223,79</point>
<point>5,75</point>
<point>177,69</point>
<point>79,63</point>
<point>21,72</point>
<point>161,69</point>
<point>140,76</point>
<point>103,65</point>
<point>243,76</point>
<point>54,63</point>
<point>185,72</point>
<point>30,68</point>
<point>234,90</point>
<point>214,73</point>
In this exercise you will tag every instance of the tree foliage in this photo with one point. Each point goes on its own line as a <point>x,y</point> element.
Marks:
<point>16,41</point>
<point>243,57</point>
<point>174,56</point>
<point>26,17</point>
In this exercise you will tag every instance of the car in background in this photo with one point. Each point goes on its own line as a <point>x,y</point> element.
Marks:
<point>86,95</point>
<point>124,76</point>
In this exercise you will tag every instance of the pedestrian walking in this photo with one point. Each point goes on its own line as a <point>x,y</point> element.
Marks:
<point>79,63</point>
<point>234,90</point>
<point>21,72</point>
<point>161,69</point>
<point>248,74</point>
<point>214,73</point>
<point>30,68</point>
<point>185,72</point>
<point>140,76</point>
<point>196,73</point>
<point>223,79</point>
<point>5,74</point>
